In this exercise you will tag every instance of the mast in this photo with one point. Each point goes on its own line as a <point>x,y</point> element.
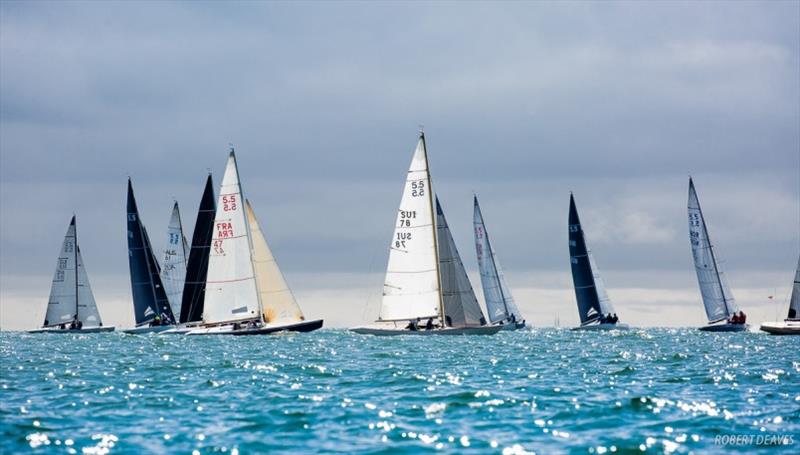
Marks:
<point>711,250</point>
<point>494,263</point>
<point>433,228</point>
<point>75,252</point>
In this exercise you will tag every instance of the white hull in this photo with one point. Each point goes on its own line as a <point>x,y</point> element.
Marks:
<point>265,329</point>
<point>392,331</point>
<point>782,327</point>
<point>83,330</point>
<point>725,328</point>
<point>147,329</point>
<point>604,326</point>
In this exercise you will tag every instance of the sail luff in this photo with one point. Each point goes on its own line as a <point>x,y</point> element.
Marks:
<point>194,287</point>
<point>434,231</point>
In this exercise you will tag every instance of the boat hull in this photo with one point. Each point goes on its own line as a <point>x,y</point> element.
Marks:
<point>597,327</point>
<point>305,326</point>
<point>147,329</point>
<point>725,328</point>
<point>781,327</point>
<point>514,326</point>
<point>83,330</point>
<point>380,331</point>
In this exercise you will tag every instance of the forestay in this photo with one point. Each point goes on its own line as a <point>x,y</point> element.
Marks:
<point>716,293</point>
<point>461,308</point>
<point>499,302</point>
<point>197,267</point>
<point>590,291</point>
<point>173,267</point>
<point>231,293</point>
<point>277,302</point>
<point>411,287</point>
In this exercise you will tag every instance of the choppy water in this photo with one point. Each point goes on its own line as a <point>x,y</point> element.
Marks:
<point>542,391</point>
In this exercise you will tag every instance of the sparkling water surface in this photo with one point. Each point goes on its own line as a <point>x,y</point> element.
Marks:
<point>541,390</point>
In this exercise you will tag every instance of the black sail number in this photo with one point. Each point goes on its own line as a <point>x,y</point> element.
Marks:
<point>406,216</point>
<point>418,188</point>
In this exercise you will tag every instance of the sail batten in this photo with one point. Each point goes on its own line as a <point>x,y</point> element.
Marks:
<point>411,288</point>
<point>717,297</point>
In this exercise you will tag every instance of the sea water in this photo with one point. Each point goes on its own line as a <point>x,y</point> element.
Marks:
<point>541,390</point>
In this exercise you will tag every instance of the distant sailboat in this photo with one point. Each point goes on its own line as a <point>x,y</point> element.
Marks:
<point>173,266</point>
<point>151,308</point>
<point>425,278</point>
<point>594,306</point>
<point>500,304</point>
<point>71,307</point>
<point>194,290</point>
<point>246,293</point>
<point>717,297</point>
<point>790,325</point>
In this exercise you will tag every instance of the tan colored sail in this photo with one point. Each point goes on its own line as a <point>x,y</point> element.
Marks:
<point>277,301</point>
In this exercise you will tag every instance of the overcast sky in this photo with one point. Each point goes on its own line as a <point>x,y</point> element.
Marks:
<point>521,102</point>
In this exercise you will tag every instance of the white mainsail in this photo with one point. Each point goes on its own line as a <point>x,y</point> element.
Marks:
<point>277,302</point>
<point>794,303</point>
<point>87,307</point>
<point>173,267</point>
<point>411,287</point>
<point>717,296</point>
<point>62,305</point>
<point>499,302</point>
<point>231,292</point>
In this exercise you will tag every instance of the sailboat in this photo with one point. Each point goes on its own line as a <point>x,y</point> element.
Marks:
<point>246,293</point>
<point>594,307</point>
<point>790,325</point>
<point>717,297</point>
<point>173,266</point>
<point>500,304</point>
<point>151,308</point>
<point>425,278</point>
<point>71,307</point>
<point>194,289</point>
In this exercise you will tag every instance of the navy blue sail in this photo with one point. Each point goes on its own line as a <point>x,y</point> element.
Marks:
<point>590,290</point>
<point>197,267</point>
<point>149,298</point>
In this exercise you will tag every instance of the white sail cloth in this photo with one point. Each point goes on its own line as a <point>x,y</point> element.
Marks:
<point>411,287</point>
<point>173,266</point>
<point>231,292</point>
<point>717,297</point>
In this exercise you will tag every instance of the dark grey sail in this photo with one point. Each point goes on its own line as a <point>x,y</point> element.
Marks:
<point>590,291</point>
<point>149,298</point>
<point>461,308</point>
<point>197,267</point>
